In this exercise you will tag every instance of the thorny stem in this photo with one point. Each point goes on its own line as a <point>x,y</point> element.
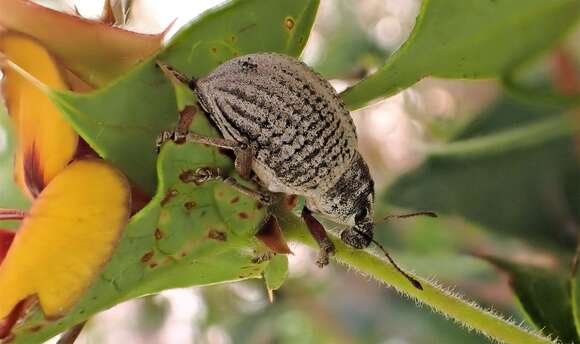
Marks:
<point>443,301</point>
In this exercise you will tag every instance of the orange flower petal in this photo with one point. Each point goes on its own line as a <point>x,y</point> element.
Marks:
<point>68,235</point>
<point>46,142</point>
<point>96,51</point>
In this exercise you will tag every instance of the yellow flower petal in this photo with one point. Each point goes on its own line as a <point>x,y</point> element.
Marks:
<point>68,235</point>
<point>46,142</point>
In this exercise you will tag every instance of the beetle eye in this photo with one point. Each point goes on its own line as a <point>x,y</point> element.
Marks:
<point>362,213</point>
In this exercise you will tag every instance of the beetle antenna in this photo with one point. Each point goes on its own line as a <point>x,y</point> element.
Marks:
<point>405,216</point>
<point>411,279</point>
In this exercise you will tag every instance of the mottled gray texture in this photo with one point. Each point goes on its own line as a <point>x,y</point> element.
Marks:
<point>302,136</point>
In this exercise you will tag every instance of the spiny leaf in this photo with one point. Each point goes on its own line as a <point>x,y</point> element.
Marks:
<point>468,39</point>
<point>96,51</point>
<point>46,141</point>
<point>122,121</point>
<point>67,236</point>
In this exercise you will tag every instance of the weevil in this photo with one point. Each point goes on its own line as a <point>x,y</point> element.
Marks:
<point>288,126</point>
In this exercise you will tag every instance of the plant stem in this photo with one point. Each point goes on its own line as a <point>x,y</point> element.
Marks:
<point>443,301</point>
<point>11,214</point>
<point>522,137</point>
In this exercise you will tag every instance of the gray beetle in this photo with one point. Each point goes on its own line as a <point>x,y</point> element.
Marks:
<point>288,125</point>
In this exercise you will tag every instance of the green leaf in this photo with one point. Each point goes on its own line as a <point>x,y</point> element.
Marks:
<point>544,296</point>
<point>513,170</point>
<point>188,235</point>
<point>468,39</point>
<point>276,272</point>
<point>122,120</point>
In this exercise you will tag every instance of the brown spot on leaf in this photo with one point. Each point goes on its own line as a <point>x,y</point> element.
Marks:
<point>233,38</point>
<point>153,265</point>
<point>214,50</point>
<point>159,234</point>
<point>235,200</point>
<point>34,328</point>
<point>259,205</point>
<point>168,196</point>
<point>187,176</point>
<point>289,23</point>
<point>189,205</point>
<point>215,234</point>
<point>147,256</point>
<point>242,215</point>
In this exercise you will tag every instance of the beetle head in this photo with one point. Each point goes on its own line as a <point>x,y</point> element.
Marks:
<point>350,202</point>
<point>361,234</point>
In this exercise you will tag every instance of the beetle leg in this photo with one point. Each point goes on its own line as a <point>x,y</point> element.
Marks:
<point>244,154</point>
<point>205,174</point>
<point>202,175</point>
<point>317,230</point>
<point>165,136</point>
<point>263,197</point>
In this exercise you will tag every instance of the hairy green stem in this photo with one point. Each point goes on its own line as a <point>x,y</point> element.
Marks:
<point>443,301</point>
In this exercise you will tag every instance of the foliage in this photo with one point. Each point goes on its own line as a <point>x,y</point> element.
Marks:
<point>468,39</point>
